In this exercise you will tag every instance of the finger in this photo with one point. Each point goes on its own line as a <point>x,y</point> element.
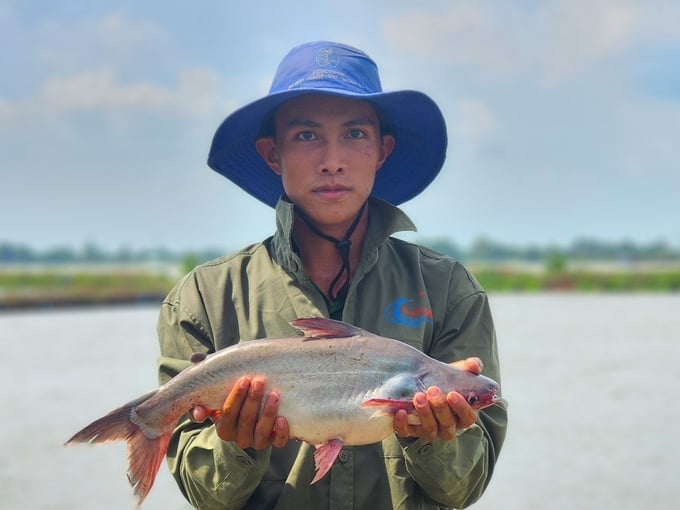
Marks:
<point>401,426</point>
<point>465,415</point>
<point>250,410</point>
<point>198,414</point>
<point>473,365</point>
<point>446,420</point>
<point>265,424</point>
<point>280,432</point>
<point>428,422</point>
<point>225,425</point>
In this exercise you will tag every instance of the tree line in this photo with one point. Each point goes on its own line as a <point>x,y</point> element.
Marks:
<point>626,251</point>
<point>481,250</point>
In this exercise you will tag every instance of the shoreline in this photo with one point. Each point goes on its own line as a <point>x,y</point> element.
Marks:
<point>52,302</point>
<point>51,288</point>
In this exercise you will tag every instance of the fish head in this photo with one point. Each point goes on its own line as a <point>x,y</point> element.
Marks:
<point>478,390</point>
<point>483,393</point>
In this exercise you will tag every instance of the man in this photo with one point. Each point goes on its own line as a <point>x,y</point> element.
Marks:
<point>332,153</point>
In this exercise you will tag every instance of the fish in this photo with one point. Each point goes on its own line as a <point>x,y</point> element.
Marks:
<point>338,385</point>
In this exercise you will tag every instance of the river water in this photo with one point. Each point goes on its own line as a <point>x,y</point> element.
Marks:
<point>591,381</point>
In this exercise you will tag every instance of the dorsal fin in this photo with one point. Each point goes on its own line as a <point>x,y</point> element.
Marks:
<point>197,357</point>
<point>320,327</point>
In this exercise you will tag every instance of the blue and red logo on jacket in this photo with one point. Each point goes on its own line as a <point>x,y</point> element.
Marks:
<point>402,311</point>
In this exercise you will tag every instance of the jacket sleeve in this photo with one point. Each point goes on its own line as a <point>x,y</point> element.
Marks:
<point>211,473</point>
<point>456,473</point>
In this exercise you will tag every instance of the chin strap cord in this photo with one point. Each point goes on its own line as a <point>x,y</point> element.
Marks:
<point>342,245</point>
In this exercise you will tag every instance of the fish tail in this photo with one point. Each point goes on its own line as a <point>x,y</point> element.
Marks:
<point>145,454</point>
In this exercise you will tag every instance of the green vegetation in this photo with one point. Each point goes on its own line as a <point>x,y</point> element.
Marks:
<point>53,287</point>
<point>49,288</point>
<point>64,277</point>
<point>482,250</point>
<point>495,279</point>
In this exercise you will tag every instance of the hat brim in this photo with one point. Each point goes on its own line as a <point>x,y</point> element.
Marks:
<point>414,119</point>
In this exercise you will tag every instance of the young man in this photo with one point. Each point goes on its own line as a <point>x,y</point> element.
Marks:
<point>334,155</point>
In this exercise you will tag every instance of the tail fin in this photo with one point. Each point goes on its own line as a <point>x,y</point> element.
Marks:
<point>145,454</point>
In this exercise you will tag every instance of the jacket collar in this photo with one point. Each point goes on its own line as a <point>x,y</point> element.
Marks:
<point>384,219</point>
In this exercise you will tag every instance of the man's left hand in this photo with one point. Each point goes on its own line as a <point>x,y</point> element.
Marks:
<point>439,415</point>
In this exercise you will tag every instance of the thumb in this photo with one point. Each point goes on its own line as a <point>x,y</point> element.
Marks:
<point>473,365</point>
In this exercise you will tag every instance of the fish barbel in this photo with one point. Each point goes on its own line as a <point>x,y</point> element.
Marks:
<point>338,385</point>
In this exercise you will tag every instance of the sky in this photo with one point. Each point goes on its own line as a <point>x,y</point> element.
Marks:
<point>563,115</point>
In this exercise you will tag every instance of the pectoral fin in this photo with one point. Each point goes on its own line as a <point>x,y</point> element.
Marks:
<point>325,456</point>
<point>388,407</point>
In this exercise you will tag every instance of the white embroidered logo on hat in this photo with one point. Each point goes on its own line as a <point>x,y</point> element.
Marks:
<point>327,58</point>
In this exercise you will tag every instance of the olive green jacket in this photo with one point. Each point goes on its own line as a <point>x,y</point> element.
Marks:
<point>400,290</point>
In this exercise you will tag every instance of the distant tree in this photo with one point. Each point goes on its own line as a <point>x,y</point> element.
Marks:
<point>445,246</point>
<point>59,254</point>
<point>93,253</point>
<point>189,261</point>
<point>484,249</point>
<point>555,261</point>
<point>15,253</point>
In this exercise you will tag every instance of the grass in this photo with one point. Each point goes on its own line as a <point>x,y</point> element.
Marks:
<point>580,280</point>
<point>20,288</point>
<point>23,289</point>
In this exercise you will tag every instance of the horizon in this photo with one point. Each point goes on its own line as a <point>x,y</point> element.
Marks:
<point>94,250</point>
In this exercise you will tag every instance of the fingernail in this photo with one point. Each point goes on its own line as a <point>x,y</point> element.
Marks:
<point>420,399</point>
<point>434,391</point>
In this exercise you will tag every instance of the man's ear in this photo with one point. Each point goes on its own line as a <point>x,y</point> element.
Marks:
<point>386,149</point>
<point>266,148</point>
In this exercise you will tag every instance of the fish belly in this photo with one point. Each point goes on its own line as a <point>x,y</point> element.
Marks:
<point>316,424</point>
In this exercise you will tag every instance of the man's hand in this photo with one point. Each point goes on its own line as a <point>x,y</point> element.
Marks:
<point>438,415</point>
<point>240,421</point>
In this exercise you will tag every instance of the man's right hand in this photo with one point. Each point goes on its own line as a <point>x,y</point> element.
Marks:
<point>240,420</point>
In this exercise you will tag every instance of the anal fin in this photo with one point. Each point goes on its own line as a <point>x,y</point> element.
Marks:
<point>325,456</point>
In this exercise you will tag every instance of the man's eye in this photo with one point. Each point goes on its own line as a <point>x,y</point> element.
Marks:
<point>355,134</point>
<point>306,136</point>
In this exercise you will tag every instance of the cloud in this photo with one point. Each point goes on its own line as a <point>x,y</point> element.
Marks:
<point>114,38</point>
<point>100,90</point>
<point>101,65</point>
<point>103,91</point>
<point>555,40</point>
<point>476,120</point>
<point>465,33</point>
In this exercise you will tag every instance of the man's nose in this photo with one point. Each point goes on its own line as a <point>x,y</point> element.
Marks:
<point>332,158</point>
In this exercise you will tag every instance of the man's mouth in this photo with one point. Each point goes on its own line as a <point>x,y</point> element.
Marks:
<point>332,192</point>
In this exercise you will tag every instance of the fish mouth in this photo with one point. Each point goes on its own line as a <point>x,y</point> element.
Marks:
<point>478,402</point>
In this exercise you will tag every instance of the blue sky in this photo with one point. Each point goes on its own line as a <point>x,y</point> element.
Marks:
<point>563,115</point>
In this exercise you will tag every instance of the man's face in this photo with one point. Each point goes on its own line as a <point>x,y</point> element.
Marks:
<point>327,151</point>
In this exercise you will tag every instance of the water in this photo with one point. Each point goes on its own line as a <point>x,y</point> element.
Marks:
<point>591,381</point>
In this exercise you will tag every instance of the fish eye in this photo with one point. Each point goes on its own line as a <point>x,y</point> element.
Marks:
<point>472,399</point>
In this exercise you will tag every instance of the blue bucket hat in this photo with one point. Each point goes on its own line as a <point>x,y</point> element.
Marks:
<point>336,69</point>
